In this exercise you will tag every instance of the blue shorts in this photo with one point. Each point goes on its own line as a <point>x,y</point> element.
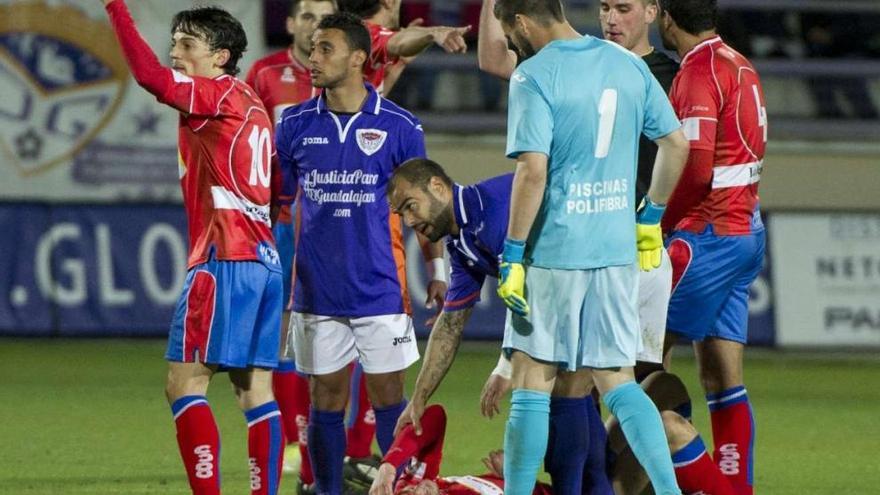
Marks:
<point>578,318</point>
<point>229,314</point>
<point>284,242</point>
<point>711,276</point>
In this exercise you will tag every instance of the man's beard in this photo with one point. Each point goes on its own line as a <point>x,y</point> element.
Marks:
<point>667,41</point>
<point>441,226</point>
<point>523,47</point>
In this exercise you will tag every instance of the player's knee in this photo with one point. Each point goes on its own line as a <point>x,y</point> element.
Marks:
<point>329,392</point>
<point>386,389</point>
<point>710,379</point>
<point>573,385</point>
<point>679,432</point>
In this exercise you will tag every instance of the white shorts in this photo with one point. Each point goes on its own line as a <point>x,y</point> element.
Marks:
<point>326,344</point>
<point>655,288</point>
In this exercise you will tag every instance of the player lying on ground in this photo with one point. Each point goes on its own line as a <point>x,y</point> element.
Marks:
<point>417,455</point>
<point>694,470</point>
<point>420,454</point>
<point>228,317</point>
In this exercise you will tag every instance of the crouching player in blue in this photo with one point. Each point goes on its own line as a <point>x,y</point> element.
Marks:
<point>474,221</point>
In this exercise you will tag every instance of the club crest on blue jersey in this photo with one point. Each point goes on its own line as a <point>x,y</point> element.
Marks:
<point>62,77</point>
<point>370,140</point>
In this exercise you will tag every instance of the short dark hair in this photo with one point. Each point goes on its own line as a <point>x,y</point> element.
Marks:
<point>418,172</point>
<point>543,11</point>
<point>356,34</point>
<point>294,5</point>
<point>218,28</point>
<point>692,16</point>
<point>361,8</point>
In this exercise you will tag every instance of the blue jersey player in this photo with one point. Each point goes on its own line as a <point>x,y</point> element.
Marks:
<point>577,107</point>
<point>474,221</point>
<point>350,298</point>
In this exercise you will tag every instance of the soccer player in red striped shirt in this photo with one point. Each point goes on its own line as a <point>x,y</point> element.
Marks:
<point>717,238</point>
<point>228,317</point>
<point>390,43</point>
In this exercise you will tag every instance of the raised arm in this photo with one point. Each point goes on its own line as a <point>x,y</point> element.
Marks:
<point>144,65</point>
<point>412,40</point>
<point>492,52</point>
<point>196,96</point>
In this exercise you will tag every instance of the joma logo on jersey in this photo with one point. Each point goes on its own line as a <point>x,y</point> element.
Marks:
<point>61,87</point>
<point>315,140</point>
<point>406,339</point>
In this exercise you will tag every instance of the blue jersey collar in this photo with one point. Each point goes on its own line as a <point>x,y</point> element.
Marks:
<point>371,105</point>
<point>458,208</point>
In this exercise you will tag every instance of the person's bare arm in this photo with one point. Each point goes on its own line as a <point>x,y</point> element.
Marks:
<point>492,52</point>
<point>529,182</point>
<point>413,40</point>
<point>672,154</point>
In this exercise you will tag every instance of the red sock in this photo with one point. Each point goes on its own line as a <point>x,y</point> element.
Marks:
<point>733,435</point>
<point>302,402</point>
<point>696,473</point>
<point>283,388</point>
<point>361,420</point>
<point>265,448</point>
<point>199,442</point>
<point>702,476</point>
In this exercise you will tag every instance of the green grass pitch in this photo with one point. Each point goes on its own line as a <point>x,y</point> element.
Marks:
<point>89,417</point>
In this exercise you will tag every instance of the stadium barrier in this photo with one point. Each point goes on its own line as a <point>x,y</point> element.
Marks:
<point>117,270</point>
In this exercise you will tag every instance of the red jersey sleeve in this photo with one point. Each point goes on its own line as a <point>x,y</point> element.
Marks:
<point>696,97</point>
<point>379,37</point>
<point>195,96</point>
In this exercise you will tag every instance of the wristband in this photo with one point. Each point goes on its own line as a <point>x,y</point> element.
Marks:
<point>503,369</point>
<point>437,267</point>
<point>514,251</point>
<point>650,212</point>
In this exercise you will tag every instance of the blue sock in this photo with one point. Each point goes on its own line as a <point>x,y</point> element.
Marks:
<point>596,480</point>
<point>643,429</point>
<point>386,420</point>
<point>567,444</point>
<point>690,452</point>
<point>327,449</point>
<point>525,440</point>
<point>286,366</point>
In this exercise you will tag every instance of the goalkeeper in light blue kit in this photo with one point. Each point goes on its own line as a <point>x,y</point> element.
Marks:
<point>569,271</point>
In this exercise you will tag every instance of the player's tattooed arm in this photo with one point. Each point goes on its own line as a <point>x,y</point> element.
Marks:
<point>442,347</point>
